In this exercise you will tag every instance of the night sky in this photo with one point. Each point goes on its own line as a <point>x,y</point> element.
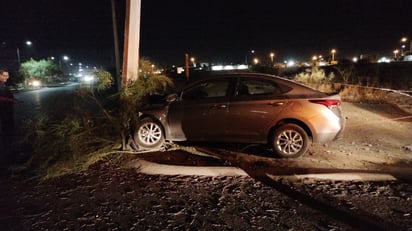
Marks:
<point>211,31</point>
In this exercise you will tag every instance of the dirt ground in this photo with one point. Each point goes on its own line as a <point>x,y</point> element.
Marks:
<point>234,187</point>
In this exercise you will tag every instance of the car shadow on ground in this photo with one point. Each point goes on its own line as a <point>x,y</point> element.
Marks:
<point>259,150</point>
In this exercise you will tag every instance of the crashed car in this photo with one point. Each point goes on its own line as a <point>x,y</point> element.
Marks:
<point>244,108</point>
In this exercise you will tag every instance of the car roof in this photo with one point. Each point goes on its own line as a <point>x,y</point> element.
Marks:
<point>279,79</point>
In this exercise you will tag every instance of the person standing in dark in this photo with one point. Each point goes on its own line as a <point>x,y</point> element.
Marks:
<point>6,115</point>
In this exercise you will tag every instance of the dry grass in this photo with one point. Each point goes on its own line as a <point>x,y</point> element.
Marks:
<point>353,93</point>
<point>356,93</point>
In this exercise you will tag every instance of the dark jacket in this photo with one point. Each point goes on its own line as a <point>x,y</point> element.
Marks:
<point>6,103</point>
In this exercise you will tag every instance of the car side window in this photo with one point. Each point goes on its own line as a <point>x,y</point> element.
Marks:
<point>257,87</point>
<point>207,89</point>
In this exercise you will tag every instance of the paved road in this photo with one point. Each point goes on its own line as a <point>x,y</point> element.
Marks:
<point>44,101</point>
<point>51,102</point>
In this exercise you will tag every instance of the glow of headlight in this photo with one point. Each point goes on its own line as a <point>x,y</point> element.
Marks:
<point>35,83</point>
<point>88,78</point>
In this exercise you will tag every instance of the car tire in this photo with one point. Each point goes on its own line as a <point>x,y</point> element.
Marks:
<point>149,134</point>
<point>290,141</point>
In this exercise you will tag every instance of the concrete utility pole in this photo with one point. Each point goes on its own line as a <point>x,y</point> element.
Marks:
<point>116,45</point>
<point>131,42</point>
<point>187,66</point>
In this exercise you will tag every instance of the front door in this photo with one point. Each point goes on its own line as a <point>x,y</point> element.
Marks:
<point>202,112</point>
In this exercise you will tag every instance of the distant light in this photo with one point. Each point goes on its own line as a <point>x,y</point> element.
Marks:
<point>242,67</point>
<point>217,68</point>
<point>290,63</point>
<point>29,43</point>
<point>384,60</point>
<point>88,78</point>
<point>229,67</point>
<point>35,83</point>
<point>355,59</point>
<point>180,70</point>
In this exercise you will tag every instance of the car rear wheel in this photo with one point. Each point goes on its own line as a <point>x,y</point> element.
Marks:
<point>290,141</point>
<point>149,134</point>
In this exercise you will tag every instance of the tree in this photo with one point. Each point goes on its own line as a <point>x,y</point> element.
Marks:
<point>136,94</point>
<point>37,69</point>
<point>122,115</point>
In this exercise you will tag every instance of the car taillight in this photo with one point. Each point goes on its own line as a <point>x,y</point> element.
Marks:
<point>327,102</point>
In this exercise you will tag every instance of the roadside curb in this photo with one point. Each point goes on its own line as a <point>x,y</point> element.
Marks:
<point>152,168</point>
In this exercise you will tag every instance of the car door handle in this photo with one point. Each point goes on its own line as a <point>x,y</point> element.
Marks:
<point>275,104</point>
<point>221,106</point>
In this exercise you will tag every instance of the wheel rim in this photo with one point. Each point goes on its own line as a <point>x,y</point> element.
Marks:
<point>150,133</point>
<point>290,142</point>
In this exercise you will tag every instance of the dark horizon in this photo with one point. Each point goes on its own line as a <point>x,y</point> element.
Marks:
<point>214,31</point>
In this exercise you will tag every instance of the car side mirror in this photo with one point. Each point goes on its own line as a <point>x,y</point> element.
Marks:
<point>171,98</point>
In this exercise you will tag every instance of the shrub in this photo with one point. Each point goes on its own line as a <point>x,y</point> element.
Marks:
<point>314,76</point>
<point>99,123</point>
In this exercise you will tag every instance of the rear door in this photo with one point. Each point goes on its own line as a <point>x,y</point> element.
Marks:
<point>254,109</point>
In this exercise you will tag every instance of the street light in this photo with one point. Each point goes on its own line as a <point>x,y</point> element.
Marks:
<point>272,55</point>
<point>64,58</point>
<point>403,45</point>
<point>333,51</point>
<point>247,56</point>
<point>314,60</point>
<point>395,53</point>
<point>28,43</point>
<point>193,61</point>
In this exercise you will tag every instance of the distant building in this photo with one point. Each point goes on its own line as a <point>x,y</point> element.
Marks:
<point>407,56</point>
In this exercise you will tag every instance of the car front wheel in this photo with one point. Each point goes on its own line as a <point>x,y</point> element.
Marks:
<point>290,141</point>
<point>149,134</point>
